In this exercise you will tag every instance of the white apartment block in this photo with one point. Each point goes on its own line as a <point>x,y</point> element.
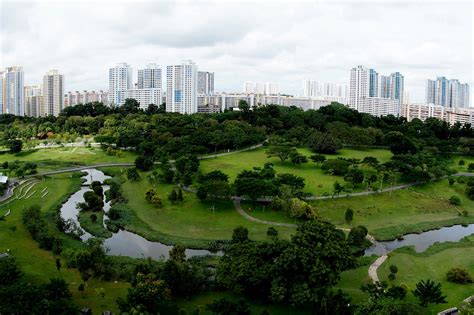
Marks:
<point>226,101</point>
<point>77,97</point>
<point>150,77</point>
<point>53,93</point>
<point>448,114</point>
<point>205,83</point>
<point>143,96</point>
<point>378,106</point>
<point>33,100</point>
<point>120,79</point>
<point>181,88</point>
<point>261,88</point>
<point>13,91</point>
<point>326,91</point>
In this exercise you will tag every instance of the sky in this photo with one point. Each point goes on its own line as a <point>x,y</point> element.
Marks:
<point>277,41</point>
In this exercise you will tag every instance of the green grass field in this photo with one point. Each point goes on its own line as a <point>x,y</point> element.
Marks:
<point>55,158</point>
<point>388,215</point>
<point>39,265</point>
<point>191,222</point>
<point>317,181</point>
<point>434,264</point>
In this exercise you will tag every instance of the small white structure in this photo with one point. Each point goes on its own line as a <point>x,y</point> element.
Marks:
<point>3,179</point>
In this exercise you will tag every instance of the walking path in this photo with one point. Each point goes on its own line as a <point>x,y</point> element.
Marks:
<point>375,265</point>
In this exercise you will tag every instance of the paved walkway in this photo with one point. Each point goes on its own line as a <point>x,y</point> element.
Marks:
<point>375,265</point>
<point>242,212</point>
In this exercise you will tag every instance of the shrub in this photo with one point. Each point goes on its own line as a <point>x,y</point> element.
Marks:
<point>455,200</point>
<point>459,275</point>
<point>461,162</point>
<point>93,217</point>
<point>272,232</point>
<point>451,181</point>
<point>470,167</point>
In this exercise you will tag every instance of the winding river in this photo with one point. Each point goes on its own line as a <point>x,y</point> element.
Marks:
<point>422,241</point>
<point>122,243</point>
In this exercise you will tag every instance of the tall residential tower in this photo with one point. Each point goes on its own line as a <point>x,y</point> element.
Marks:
<point>53,93</point>
<point>13,91</point>
<point>120,79</point>
<point>181,88</point>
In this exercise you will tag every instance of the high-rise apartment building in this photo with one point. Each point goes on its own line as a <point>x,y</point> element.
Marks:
<point>326,91</point>
<point>53,93</point>
<point>205,83</point>
<point>448,93</point>
<point>375,94</point>
<point>181,88</point>
<point>359,86</point>
<point>1,93</point>
<point>150,77</point>
<point>384,86</point>
<point>33,100</point>
<point>120,79</point>
<point>13,91</point>
<point>397,86</point>
<point>77,97</point>
<point>373,83</point>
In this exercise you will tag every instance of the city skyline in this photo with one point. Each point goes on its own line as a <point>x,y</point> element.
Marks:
<point>265,51</point>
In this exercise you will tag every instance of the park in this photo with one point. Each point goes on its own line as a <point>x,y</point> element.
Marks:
<point>268,186</point>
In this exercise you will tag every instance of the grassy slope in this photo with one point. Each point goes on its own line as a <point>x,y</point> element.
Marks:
<point>317,182</point>
<point>38,264</point>
<point>53,158</point>
<point>433,264</point>
<point>190,219</point>
<point>387,215</point>
<point>95,228</point>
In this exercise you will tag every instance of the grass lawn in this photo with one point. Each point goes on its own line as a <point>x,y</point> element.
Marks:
<point>467,160</point>
<point>39,265</point>
<point>351,280</point>
<point>54,158</point>
<point>96,228</point>
<point>317,181</point>
<point>433,264</point>
<point>410,210</point>
<point>387,216</point>
<point>190,222</point>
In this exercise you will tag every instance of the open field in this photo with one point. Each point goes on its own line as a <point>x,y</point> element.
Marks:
<point>317,181</point>
<point>433,264</point>
<point>388,215</point>
<point>39,265</point>
<point>55,158</point>
<point>191,222</point>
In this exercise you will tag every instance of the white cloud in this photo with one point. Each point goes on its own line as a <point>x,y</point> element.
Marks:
<point>278,41</point>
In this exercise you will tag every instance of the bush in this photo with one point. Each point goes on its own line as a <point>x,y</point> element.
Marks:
<point>459,275</point>
<point>93,217</point>
<point>272,232</point>
<point>461,162</point>
<point>335,166</point>
<point>455,200</point>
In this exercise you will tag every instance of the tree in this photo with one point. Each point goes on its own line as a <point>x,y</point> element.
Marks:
<point>429,292</point>
<point>15,146</point>
<point>324,143</point>
<point>455,200</point>
<point>10,270</point>
<point>282,151</point>
<point>399,143</point>
<point>132,175</point>
<point>240,235</point>
<point>338,188</point>
<point>349,215</point>
<point>178,253</point>
<point>226,307</point>
<point>150,295</point>
<point>459,275</point>
<point>143,163</point>
<point>335,167</point>
<point>93,217</point>
<point>354,176</point>
<point>214,190</point>
<point>92,202</point>
<point>272,232</point>
<point>470,167</point>
<point>58,266</point>
<point>297,158</point>
<point>323,245</point>
<point>451,181</point>
<point>318,158</point>
<point>300,209</point>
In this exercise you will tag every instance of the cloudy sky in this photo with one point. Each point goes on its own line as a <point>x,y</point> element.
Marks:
<point>283,42</point>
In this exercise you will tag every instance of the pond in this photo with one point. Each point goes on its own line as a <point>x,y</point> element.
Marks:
<point>122,243</point>
<point>423,240</point>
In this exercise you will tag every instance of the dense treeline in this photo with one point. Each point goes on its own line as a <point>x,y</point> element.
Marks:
<point>155,133</point>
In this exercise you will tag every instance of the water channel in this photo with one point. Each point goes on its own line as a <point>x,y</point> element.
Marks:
<point>122,243</point>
